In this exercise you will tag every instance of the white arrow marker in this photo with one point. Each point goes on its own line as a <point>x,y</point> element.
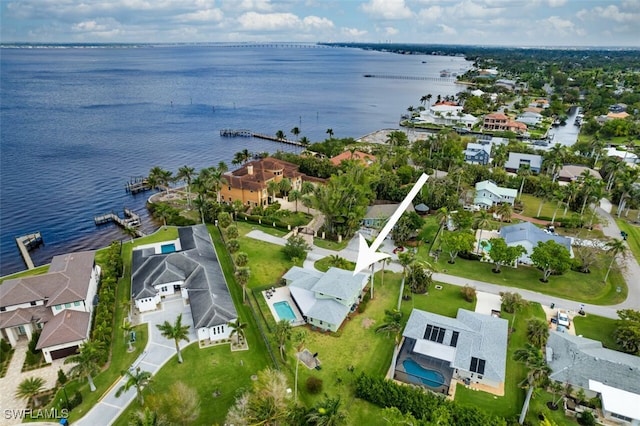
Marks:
<point>368,255</point>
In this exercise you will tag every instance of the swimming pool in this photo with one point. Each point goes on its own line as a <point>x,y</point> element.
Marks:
<point>485,245</point>
<point>430,378</point>
<point>167,248</point>
<point>284,311</point>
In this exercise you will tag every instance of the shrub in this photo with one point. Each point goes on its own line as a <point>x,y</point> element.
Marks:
<point>296,247</point>
<point>469,293</point>
<point>587,419</point>
<point>33,342</point>
<point>5,347</point>
<point>75,400</point>
<point>314,385</point>
<point>62,377</point>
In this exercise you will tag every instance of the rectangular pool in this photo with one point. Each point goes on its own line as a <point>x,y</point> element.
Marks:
<point>167,248</point>
<point>284,311</point>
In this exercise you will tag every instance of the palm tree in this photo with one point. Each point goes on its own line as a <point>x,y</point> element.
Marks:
<point>280,135</point>
<point>222,166</point>
<point>481,221</point>
<point>571,191</point>
<point>327,413</point>
<point>615,247</point>
<point>160,176</point>
<point>285,186</point>
<point>138,379</point>
<point>86,361</point>
<point>272,188</point>
<point>175,331</point>
<point>241,157</point>
<point>242,277</point>
<point>538,370</point>
<point>537,331</point>
<point>127,328</point>
<point>505,210</point>
<point>237,329</point>
<point>29,388</point>
<point>186,173</point>
<point>283,333</point>
<point>295,195</point>
<point>295,132</point>
<point>392,325</point>
<point>305,142</point>
<point>330,133</point>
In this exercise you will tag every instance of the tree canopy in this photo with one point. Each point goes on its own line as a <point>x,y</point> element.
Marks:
<point>551,257</point>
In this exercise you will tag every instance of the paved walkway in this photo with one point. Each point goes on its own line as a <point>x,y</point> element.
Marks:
<point>10,382</point>
<point>158,351</point>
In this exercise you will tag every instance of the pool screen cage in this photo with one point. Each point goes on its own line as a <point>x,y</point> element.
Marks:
<point>426,362</point>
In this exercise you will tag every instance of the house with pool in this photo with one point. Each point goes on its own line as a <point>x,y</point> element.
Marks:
<point>186,267</point>
<point>470,348</point>
<point>528,235</point>
<point>325,298</point>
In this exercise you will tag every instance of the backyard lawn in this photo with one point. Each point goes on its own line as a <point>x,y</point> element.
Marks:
<point>633,236</point>
<point>532,204</point>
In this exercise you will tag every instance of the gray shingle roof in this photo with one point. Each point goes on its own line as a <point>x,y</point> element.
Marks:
<point>480,336</point>
<point>66,327</point>
<point>522,231</point>
<point>577,359</point>
<point>514,160</point>
<point>197,267</point>
<point>378,211</point>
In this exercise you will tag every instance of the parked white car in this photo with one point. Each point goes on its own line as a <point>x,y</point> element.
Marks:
<point>563,318</point>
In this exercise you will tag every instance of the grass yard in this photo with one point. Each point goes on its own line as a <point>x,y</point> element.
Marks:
<point>445,301</point>
<point>510,404</point>
<point>330,245</point>
<point>597,328</point>
<point>633,236</point>
<point>26,273</point>
<point>587,288</point>
<point>532,204</point>
<point>245,227</point>
<point>266,260</point>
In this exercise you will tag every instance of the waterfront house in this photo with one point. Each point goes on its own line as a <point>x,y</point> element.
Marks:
<point>518,160</point>
<point>477,153</point>
<point>611,375</point>
<point>325,298</point>
<point>249,183</point>
<point>447,115</point>
<point>498,121</point>
<point>359,156</point>
<point>529,118</point>
<point>573,172</point>
<point>59,303</point>
<point>488,194</point>
<point>471,347</point>
<point>527,235</point>
<point>187,267</point>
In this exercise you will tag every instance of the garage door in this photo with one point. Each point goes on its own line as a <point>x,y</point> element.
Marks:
<point>61,353</point>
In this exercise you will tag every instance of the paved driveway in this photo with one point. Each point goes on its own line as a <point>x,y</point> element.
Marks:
<point>158,351</point>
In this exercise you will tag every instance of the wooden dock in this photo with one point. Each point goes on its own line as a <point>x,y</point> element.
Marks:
<point>131,221</point>
<point>249,134</point>
<point>26,243</point>
<point>137,184</point>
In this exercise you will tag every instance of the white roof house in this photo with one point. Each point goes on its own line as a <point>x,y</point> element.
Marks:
<point>529,118</point>
<point>528,236</point>
<point>518,160</point>
<point>613,375</point>
<point>628,157</point>
<point>489,194</point>
<point>447,115</point>
<point>325,298</point>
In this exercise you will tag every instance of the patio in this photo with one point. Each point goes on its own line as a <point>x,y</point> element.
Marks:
<point>281,294</point>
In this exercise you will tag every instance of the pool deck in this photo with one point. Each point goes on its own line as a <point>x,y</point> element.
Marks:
<point>280,294</point>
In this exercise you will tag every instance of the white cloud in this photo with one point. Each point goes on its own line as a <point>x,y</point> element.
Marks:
<point>447,30</point>
<point>103,28</point>
<point>205,15</point>
<point>471,9</point>
<point>253,21</point>
<point>558,26</point>
<point>248,5</point>
<point>557,3</point>
<point>317,22</point>
<point>353,32</point>
<point>391,31</point>
<point>387,9</point>
<point>612,12</point>
<point>430,14</point>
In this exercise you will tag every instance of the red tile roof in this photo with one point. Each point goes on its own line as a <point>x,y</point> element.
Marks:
<point>356,155</point>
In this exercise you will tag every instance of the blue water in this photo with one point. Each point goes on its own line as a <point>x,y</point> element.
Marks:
<point>430,378</point>
<point>284,311</point>
<point>76,124</point>
<point>167,248</point>
<point>486,246</point>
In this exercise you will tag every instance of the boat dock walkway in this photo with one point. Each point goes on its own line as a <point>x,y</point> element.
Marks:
<point>26,243</point>
<point>131,221</point>
<point>249,134</point>
<point>137,184</point>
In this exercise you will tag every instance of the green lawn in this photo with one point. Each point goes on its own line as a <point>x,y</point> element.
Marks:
<point>27,273</point>
<point>445,301</point>
<point>532,204</point>
<point>633,236</point>
<point>510,404</point>
<point>245,227</point>
<point>266,260</point>
<point>587,288</point>
<point>597,328</point>
<point>330,245</point>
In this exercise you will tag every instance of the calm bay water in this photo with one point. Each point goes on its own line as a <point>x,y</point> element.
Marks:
<point>76,123</point>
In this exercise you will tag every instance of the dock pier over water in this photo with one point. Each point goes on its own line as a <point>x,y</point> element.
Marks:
<point>231,133</point>
<point>29,242</point>
<point>131,221</point>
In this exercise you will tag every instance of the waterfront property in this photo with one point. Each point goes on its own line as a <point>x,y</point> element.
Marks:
<point>325,298</point>
<point>471,348</point>
<point>612,376</point>
<point>527,235</point>
<point>359,156</point>
<point>58,303</point>
<point>447,114</point>
<point>188,268</point>
<point>488,194</point>
<point>250,182</point>
<point>574,172</point>
<point>500,122</point>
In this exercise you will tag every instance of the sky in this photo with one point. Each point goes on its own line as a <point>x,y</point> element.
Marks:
<point>477,22</point>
